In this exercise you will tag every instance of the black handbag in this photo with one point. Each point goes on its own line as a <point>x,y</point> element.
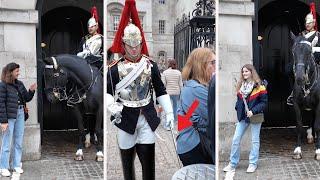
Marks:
<point>256,118</point>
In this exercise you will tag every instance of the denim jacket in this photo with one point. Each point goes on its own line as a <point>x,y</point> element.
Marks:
<point>189,137</point>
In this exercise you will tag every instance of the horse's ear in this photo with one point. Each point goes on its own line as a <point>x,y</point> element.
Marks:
<point>292,36</point>
<point>48,60</point>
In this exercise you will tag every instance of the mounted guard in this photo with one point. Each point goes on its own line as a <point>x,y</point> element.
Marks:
<point>91,44</point>
<point>131,82</point>
<point>312,35</point>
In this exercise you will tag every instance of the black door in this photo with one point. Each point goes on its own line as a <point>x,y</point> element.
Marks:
<point>62,30</point>
<point>276,65</point>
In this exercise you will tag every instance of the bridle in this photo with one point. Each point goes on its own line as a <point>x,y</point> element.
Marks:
<point>74,95</point>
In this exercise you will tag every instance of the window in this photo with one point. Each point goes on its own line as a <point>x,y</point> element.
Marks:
<point>116,20</point>
<point>161,26</point>
<point>162,1</point>
<point>141,21</point>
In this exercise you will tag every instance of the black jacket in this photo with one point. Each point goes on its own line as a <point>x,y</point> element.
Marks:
<point>9,98</point>
<point>130,115</point>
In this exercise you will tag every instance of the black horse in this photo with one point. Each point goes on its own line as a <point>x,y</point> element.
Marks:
<point>70,78</point>
<point>306,91</point>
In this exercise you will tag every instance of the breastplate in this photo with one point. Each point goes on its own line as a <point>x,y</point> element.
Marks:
<point>138,93</point>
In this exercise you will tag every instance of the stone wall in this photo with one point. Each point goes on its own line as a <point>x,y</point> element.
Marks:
<point>18,21</point>
<point>235,50</point>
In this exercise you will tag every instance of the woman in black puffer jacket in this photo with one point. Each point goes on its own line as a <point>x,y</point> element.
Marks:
<point>13,95</point>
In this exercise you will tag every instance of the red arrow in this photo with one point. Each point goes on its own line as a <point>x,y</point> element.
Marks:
<point>184,121</point>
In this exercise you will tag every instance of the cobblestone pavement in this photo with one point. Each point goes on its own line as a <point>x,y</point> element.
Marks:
<point>57,162</point>
<point>276,161</point>
<point>166,158</point>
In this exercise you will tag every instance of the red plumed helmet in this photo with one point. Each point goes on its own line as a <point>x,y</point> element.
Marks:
<point>94,20</point>
<point>129,12</point>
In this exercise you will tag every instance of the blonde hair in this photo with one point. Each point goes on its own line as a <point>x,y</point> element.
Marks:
<point>196,66</point>
<point>255,76</point>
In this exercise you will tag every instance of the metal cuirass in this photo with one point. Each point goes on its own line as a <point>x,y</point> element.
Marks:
<point>137,93</point>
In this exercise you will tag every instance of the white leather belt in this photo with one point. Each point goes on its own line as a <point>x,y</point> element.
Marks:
<point>134,104</point>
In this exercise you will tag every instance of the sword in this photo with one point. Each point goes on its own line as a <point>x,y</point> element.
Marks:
<point>175,146</point>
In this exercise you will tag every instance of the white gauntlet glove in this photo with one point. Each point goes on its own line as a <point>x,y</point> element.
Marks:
<point>165,103</point>
<point>83,54</point>
<point>114,108</point>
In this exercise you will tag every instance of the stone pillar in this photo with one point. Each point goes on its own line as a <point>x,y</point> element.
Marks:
<point>18,21</point>
<point>235,50</point>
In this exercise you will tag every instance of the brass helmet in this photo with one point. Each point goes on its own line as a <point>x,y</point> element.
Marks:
<point>309,18</point>
<point>132,35</point>
<point>92,22</point>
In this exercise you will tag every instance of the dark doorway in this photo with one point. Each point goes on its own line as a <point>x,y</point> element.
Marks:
<point>62,30</point>
<point>276,20</point>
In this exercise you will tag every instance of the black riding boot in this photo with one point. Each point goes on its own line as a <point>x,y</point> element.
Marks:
<point>127,158</point>
<point>146,156</point>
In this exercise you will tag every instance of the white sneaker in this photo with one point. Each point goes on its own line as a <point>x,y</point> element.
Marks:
<point>18,170</point>
<point>229,168</point>
<point>251,168</point>
<point>5,172</point>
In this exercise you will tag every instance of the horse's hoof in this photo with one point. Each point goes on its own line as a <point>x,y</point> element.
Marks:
<point>79,158</point>
<point>297,156</point>
<point>310,140</point>
<point>87,144</point>
<point>99,158</point>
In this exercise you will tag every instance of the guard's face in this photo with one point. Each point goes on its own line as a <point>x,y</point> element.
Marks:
<point>93,29</point>
<point>246,73</point>
<point>133,51</point>
<point>16,73</point>
<point>310,26</point>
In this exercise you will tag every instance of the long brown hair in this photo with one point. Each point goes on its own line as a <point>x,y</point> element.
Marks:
<point>6,75</point>
<point>255,76</point>
<point>196,65</point>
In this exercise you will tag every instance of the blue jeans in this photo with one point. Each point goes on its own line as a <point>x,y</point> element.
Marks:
<point>255,143</point>
<point>174,101</point>
<point>12,139</point>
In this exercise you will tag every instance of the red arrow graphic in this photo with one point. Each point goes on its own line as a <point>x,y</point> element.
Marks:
<point>184,121</point>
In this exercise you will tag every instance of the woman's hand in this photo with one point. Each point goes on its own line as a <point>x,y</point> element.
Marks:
<point>4,126</point>
<point>249,114</point>
<point>33,87</point>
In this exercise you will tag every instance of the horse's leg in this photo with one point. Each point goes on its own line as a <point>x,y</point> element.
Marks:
<point>310,133</point>
<point>299,128</point>
<point>82,134</point>
<point>87,142</point>
<point>99,133</point>
<point>316,126</point>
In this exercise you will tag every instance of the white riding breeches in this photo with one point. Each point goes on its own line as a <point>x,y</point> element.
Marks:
<point>142,135</point>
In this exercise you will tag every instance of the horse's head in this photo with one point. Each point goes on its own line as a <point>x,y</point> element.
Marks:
<point>56,79</point>
<point>302,57</point>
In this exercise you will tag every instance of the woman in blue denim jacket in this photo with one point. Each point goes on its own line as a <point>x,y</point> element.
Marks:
<point>254,91</point>
<point>197,74</point>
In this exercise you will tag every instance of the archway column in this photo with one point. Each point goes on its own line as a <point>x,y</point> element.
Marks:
<point>235,50</point>
<point>18,22</point>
